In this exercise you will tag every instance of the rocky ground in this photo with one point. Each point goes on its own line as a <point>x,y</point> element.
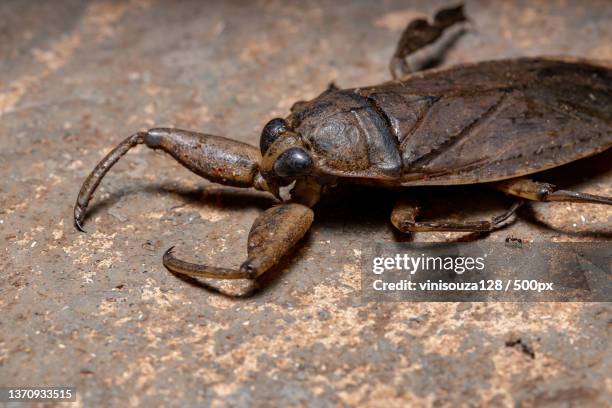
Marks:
<point>99,311</point>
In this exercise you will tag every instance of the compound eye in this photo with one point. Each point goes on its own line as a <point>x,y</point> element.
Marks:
<point>271,132</point>
<point>293,162</point>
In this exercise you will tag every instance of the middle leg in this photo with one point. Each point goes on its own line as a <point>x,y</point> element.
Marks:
<point>405,212</point>
<point>419,34</point>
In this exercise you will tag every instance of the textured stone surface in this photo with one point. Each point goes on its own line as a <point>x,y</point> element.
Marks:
<point>99,311</point>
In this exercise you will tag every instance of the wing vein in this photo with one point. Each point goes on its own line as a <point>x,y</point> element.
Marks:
<point>469,129</point>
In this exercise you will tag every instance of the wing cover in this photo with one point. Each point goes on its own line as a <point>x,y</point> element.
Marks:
<point>496,120</point>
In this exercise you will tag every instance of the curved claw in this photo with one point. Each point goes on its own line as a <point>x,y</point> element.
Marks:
<point>272,235</point>
<point>179,266</point>
<point>77,224</point>
<point>93,180</point>
<point>79,215</point>
<point>503,217</point>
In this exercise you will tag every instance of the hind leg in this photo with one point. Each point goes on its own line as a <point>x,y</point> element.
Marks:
<point>419,34</point>
<point>405,212</point>
<point>536,191</point>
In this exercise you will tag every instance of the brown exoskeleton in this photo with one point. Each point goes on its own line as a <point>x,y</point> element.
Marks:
<point>490,122</point>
